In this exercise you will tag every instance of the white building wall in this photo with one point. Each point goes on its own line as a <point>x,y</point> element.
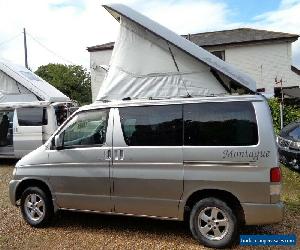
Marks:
<point>264,63</point>
<point>98,58</point>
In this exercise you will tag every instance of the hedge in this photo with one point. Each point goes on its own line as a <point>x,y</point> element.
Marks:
<point>290,113</point>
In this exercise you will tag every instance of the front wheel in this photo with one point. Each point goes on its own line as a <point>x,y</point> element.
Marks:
<point>36,207</point>
<point>213,223</point>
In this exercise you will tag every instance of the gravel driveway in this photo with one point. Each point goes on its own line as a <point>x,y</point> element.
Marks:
<point>71,230</point>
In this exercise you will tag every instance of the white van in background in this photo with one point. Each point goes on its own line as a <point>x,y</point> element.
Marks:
<point>31,109</point>
<point>26,126</point>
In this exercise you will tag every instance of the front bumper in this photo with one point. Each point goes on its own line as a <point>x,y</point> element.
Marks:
<point>261,214</point>
<point>290,157</point>
<point>289,154</point>
<point>12,191</point>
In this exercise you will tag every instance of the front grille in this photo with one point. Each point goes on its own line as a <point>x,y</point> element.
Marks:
<point>294,148</point>
<point>284,143</point>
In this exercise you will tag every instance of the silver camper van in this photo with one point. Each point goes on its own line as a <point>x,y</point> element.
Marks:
<point>26,126</point>
<point>210,161</point>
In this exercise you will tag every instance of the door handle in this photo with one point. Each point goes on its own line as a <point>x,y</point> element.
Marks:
<point>107,154</point>
<point>121,154</point>
<point>118,154</point>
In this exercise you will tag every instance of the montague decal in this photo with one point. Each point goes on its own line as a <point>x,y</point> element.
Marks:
<point>253,155</point>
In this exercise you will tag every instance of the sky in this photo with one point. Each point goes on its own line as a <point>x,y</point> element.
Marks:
<point>59,31</point>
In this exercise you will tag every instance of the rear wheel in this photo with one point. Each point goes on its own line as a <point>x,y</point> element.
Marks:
<point>213,223</point>
<point>36,207</point>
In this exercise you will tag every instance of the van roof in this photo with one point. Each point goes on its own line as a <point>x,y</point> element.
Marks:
<point>14,105</point>
<point>145,102</point>
<point>35,84</point>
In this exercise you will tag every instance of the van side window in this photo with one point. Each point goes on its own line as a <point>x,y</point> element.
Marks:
<point>152,125</point>
<point>220,124</point>
<point>32,116</point>
<point>87,128</point>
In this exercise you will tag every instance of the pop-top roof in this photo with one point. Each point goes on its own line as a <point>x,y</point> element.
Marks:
<point>39,87</point>
<point>188,47</point>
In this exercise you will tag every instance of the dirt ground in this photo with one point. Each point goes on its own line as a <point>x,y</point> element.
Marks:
<point>70,230</point>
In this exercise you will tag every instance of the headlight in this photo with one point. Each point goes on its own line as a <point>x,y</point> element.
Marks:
<point>15,171</point>
<point>295,145</point>
<point>17,164</point>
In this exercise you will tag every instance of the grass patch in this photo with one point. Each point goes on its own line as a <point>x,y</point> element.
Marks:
<point>291,189</point>
<point>2,239</point>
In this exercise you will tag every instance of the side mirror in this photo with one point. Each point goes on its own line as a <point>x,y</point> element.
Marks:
<point>58,144</point>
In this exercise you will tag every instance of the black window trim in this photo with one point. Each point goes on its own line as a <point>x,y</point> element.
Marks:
<point>45,116</point>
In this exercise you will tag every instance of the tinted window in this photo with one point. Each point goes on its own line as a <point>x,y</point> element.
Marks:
<point>6,128</point>
<point>32,116</point>
<point>220,124</point>
<point>86,128</point>
<point>152,125</point>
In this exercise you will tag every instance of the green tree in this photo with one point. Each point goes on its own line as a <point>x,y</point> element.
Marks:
<point>73,80</point>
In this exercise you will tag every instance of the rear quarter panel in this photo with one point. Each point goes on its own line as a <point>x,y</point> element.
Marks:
<point>244,171</point>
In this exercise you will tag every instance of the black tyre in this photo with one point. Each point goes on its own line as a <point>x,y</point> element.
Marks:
<point>36,207</point>
<point>213,223</point>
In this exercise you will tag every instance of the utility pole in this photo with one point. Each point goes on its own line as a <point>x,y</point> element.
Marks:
<point>25,48</point>
<point>281,102</point>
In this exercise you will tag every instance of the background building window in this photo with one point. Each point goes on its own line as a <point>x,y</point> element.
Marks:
<point>219,53</point>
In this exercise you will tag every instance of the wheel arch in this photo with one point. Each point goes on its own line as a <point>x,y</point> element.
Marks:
<point>231,200</point>
<point>32,182</point>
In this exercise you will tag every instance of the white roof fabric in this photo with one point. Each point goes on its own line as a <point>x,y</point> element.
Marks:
<point>4,98</point>
<point>149,60</point>
<point>20,80</point>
